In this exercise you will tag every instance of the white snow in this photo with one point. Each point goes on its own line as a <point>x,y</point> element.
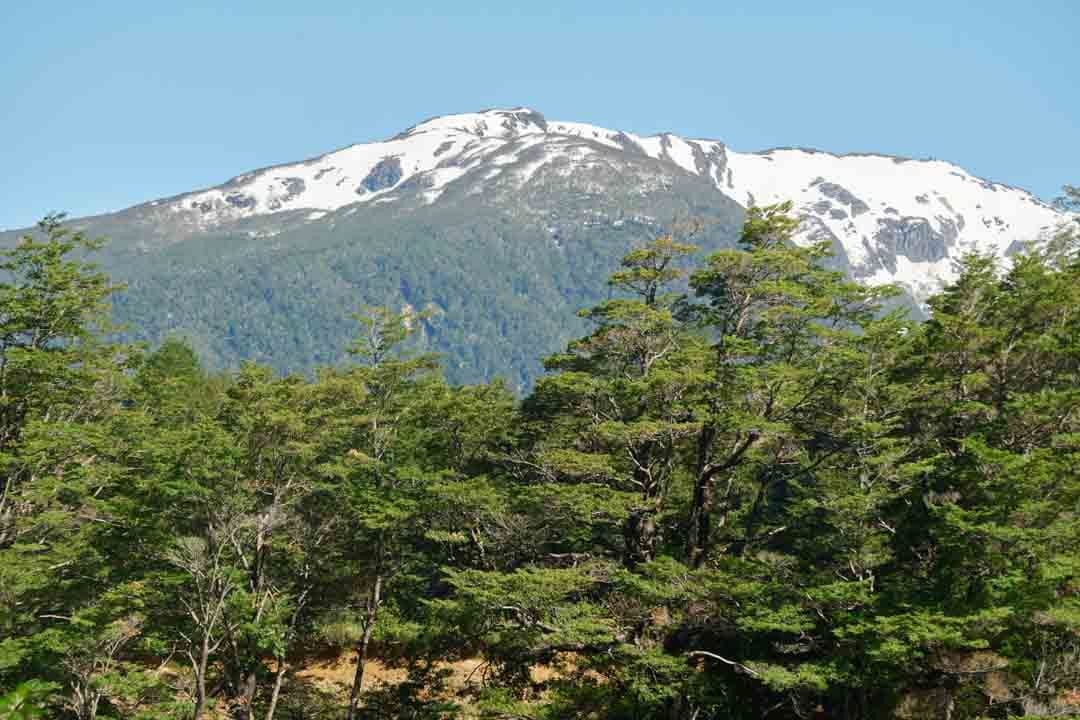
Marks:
<point>681,153</point>
<point>921,278</point>
<point>653,146</point>
<point>583,130</point>
<point>440,151</point>
<point>332,181</point>
<point>989,216</point>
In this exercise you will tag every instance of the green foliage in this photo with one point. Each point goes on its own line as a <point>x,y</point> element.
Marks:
<point>747,491</point>
<point>27,701</point>
<point>502,273</point>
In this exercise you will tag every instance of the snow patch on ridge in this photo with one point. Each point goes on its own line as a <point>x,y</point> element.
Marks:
<point>860,199</point>
<point>585,131</point>
<point>895,220</point>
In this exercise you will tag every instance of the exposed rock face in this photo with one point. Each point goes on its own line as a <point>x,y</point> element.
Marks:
<point>386,174</point>
<point>523,120</point>
<point>294,186</point>
<point>842,195</point>
<point>240,201</point>
<point>914,238</point>
<point>290,189</point>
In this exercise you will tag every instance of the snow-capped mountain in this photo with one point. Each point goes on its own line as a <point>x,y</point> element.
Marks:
<point>891,219</point>
<point>502,225</point>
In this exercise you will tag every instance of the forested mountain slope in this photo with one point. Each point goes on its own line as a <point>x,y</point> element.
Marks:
<point>501,224</point>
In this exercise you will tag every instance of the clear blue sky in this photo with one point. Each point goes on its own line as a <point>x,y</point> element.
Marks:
<point>110,103</point>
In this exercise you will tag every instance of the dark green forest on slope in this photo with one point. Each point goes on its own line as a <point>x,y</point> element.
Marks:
<point>501,273</point>
<point>745,491</point>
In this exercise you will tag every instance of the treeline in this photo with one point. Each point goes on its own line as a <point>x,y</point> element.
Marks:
<point>761,496</point>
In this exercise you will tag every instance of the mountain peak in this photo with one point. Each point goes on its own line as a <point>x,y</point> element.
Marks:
<point>492,123</point>
<point>889,219</point>
<point>540,209</point>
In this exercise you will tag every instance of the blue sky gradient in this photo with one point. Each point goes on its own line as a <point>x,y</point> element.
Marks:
<point>114,103</point>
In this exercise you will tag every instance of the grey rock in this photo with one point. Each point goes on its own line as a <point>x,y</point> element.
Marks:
<point>240,201</point>
<point>841,195</point>
<point>293,186</point>
<point>914,238</point>
<point>386,173</point>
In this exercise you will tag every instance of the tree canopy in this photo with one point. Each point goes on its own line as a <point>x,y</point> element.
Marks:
<point>750,490</point>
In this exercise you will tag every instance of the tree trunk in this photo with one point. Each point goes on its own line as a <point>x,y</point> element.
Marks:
<point>640,536</point>
<point>697,540</point>
<point>358,677</point>
<point>200,680</point>
<point>248,679</point>
<point>200,701</point>
<point>279,678</point>
<point>701,501</point>
<point>362,648</point>
<point>282,664</point>
<point>245,697</point>
<point>699,535</point>
<point>85,700</point>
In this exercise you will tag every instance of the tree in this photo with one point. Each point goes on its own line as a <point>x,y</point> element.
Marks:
<point>52,308</point>
<point>370,471</point>
<point>781,324</point>
<point>270,421</point>
<point>992,534</point>
<point>599,452</point>
<point>615,413</point>
<point>231,478</point>
<point>763,496</point>
<point>59,388</point>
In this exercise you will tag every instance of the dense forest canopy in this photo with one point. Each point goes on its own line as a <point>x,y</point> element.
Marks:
<point>747,492</point>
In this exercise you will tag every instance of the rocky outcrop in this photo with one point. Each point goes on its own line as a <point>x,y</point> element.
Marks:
<point>841,195</point>
<point>915,238</point>
<point>386,174</point>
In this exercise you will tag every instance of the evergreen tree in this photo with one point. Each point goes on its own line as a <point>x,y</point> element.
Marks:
<point>616,411</point>
<point>59,388</point>
<point>747,492</point>
<point>372,473</point>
